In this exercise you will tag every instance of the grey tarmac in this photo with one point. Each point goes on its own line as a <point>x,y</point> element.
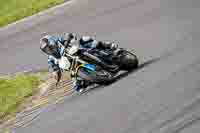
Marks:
<point>162,96</point>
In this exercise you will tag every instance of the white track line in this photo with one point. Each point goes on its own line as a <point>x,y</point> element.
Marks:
<point>42,13</point>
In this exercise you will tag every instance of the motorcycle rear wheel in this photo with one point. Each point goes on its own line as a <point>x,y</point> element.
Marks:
<point>128,61</point>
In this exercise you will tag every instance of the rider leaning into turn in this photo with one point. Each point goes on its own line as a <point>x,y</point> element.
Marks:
<point>53,47</point>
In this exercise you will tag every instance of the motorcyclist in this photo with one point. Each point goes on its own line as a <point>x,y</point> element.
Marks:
<point>54,47</point>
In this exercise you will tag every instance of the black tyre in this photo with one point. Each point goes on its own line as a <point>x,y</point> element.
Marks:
<point>128,61</point>
<point>99,77</point>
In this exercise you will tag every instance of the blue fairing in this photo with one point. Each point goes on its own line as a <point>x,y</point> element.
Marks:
<point>90,67</point>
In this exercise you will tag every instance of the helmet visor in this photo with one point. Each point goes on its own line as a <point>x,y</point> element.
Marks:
<point>50,50</point>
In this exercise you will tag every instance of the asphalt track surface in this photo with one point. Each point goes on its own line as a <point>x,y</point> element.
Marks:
<point>162,96</point>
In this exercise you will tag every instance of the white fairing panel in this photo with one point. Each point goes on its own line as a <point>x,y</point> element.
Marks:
<point>73,49</point>
<point>64,63</point>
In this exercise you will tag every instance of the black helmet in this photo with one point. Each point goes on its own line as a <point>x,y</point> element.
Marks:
<point>48,46</point>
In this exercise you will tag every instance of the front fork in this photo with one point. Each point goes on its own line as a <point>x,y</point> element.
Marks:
<point>77,81</point>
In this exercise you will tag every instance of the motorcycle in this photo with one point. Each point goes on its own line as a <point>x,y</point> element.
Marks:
<point>96,66</point>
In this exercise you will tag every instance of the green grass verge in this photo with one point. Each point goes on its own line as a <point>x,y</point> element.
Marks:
<point>14,89</point>
<point>13,10</point>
